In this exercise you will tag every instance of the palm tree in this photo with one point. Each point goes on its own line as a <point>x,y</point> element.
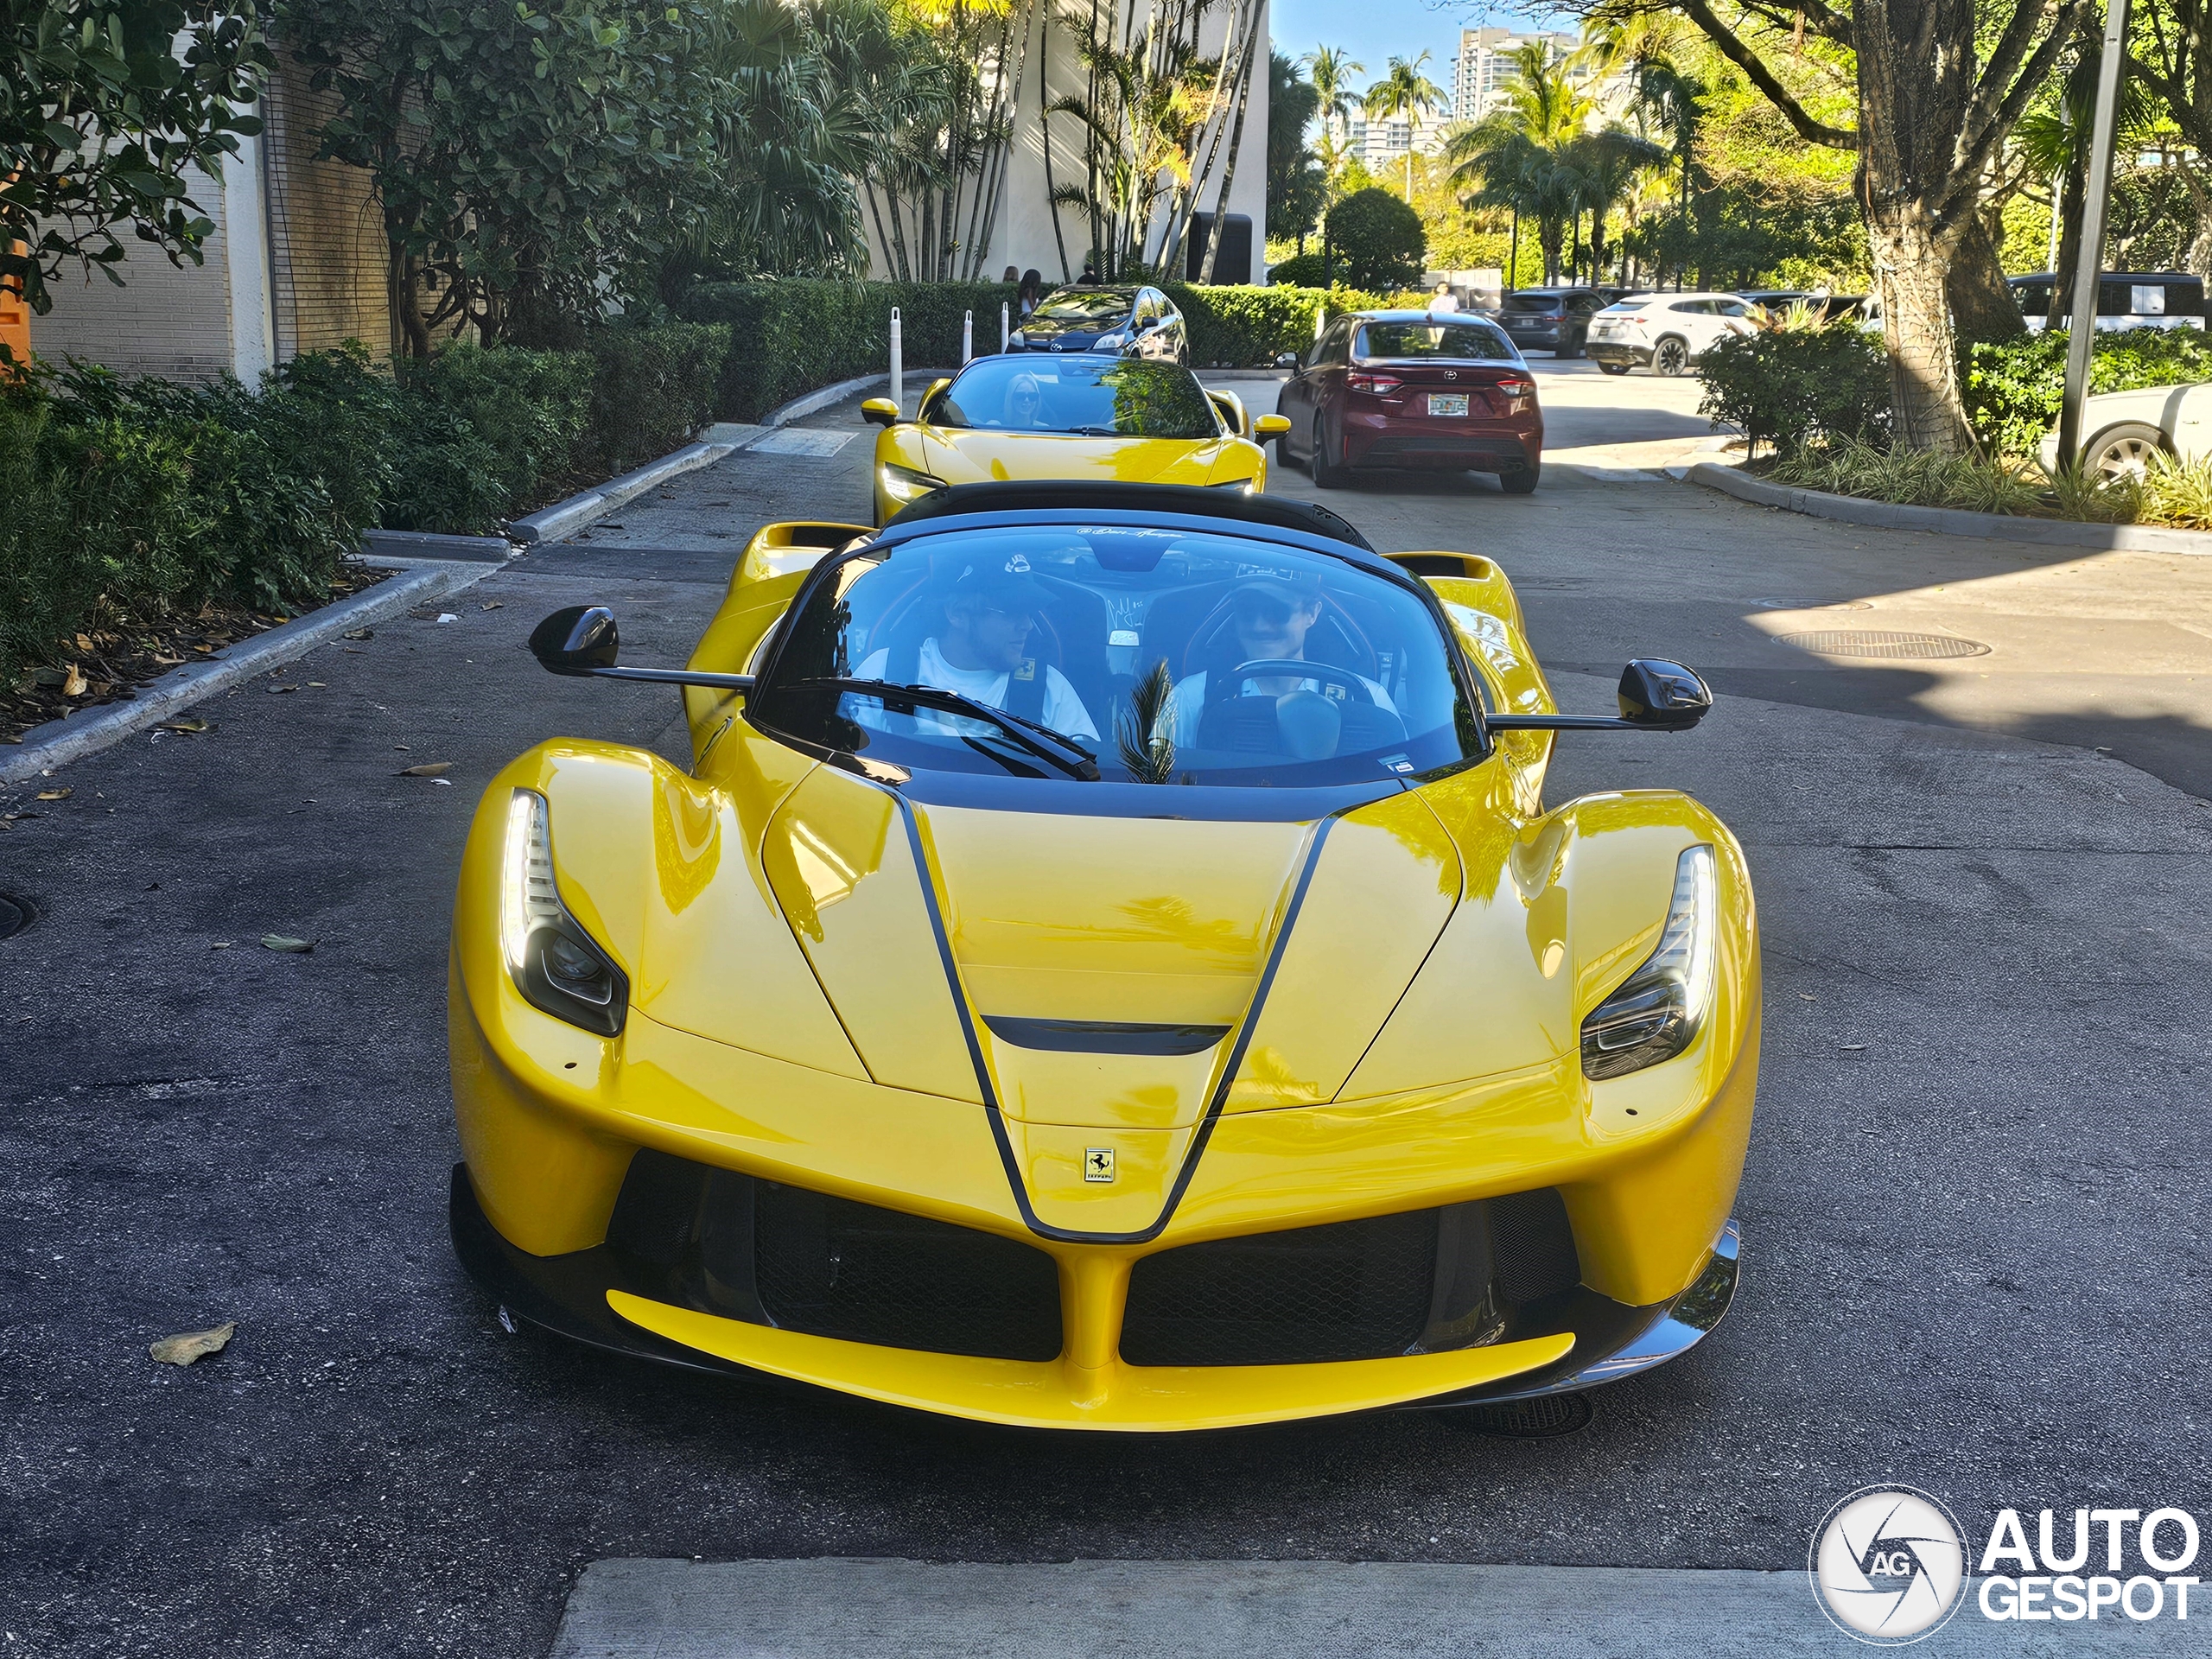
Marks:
<point>1520,155</point>
<point>1329,72</point>
<point>1404,93</point>
<point>1606,165</point>
<point>1653,50</point>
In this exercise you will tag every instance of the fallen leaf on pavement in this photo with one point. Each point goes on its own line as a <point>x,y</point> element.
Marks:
<point>1853,1047</point>
<point>220,944</point>
<point>194,1344</point>
<point>85,644</point>
<point>73,684</point>
<point>359,634</point>
<point>287,944</point>
<point>61,794</point>
<point>428,769</point>
<point>316,684</point>
<point>186,725</point>
<point>279,690</point>
<point>494,604</point>
<point>1809,996</point>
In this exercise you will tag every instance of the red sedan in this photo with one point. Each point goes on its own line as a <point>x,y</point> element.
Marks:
<point>1412,389</point>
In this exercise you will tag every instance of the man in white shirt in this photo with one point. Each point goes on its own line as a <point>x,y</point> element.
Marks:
<point>1272,615</point>
<point>983,652</point>
<point>1444,299</point>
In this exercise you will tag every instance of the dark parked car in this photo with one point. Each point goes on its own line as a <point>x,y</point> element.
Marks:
<point>1390,388</point>
<point>2125,299</point>
<point>1550,319</point>
<point>1133,320</point>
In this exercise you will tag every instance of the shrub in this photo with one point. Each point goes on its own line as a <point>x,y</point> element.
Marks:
<point>1915,477</point>
<point>1379,240</point>
<point>1791,386</point>
<point>1301,270</point>
<point>484,435</point>
<point>653,389</point>
<point>2014,387</point>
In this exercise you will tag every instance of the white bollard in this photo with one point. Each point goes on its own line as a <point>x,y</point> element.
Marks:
<point>967,337</point>
<point>1005,327</point>
<point>1321,319</point>
<point>898,365</point>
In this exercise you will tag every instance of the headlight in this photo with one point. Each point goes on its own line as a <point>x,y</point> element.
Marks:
<point>1244,484</point>
<point>905,485</point>
<point>557,966</point>
<point>1112,342</point>
<point>1660,1008</point>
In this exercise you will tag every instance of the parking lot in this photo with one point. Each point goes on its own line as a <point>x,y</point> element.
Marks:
<point>1973,1216</point>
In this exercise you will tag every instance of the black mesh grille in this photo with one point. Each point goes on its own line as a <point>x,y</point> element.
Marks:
<point>838,1268</point>
<point>1421,1282</point>
<point>1352,1290</point>
<point>751,1249</point>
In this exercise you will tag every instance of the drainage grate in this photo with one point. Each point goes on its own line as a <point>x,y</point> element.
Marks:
<point>1544,1418</point>
<point>1847,642</point>
<point>14,916</point>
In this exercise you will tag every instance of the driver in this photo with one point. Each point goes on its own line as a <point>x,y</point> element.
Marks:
<point>983,648</point>
<point>1272,615</point>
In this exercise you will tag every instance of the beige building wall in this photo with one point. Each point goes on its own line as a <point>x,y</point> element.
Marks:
<point>327,244</point>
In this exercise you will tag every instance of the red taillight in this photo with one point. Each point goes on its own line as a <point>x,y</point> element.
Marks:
<point>1381,385</point>
<point>1514,386</point>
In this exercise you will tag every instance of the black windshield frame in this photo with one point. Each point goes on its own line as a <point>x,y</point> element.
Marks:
<point>1473,691</point>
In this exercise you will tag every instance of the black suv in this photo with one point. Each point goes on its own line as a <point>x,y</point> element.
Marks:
<point>1134,321</point>
<point>1551,319</point>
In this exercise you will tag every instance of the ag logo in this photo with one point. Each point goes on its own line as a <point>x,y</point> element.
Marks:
<point>1098,1163</point>
<point>1888,1565</point>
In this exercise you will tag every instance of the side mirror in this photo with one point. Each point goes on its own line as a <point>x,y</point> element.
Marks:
<point>1662,697</point>
<point>583,641</point>
<point>1287,360</point>
<point>577,640</point>
<point>880,412</point>
<point>1269,426</point>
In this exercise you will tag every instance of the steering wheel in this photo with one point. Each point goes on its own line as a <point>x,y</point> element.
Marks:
<point>1284,668</point>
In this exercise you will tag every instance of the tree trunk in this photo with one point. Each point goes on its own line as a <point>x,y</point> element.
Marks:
<point>1229,167</point>
<point>1550,235</point>
<point>2072,205</point>
<point>1909,265</point>
<point>1982,306</point>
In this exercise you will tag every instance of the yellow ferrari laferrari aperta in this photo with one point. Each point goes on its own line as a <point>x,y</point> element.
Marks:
<point>1090,417</point>
<point>1109,965</point>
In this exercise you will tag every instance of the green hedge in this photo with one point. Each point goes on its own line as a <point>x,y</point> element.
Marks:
<point>125,501</point>
<point>1787,387</point>
<point>2013,388</point>
<point>789,338</point>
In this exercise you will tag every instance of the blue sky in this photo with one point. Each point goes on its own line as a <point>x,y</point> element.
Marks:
<point>1373,30</point>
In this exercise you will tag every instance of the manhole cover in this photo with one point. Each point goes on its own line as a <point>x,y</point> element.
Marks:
<point>14,916</point>
<point>1546,1417</point>
<point>1844,642</point>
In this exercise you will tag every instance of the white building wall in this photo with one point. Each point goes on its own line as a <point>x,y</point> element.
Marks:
<point>1023,232</point>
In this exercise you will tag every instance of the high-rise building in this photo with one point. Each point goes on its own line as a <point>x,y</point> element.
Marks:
<point>1487,67</point>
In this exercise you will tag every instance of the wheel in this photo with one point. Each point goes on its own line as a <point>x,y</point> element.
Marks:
<point>2121,452</point>
<point>1521,483</point>
<point>1572,347</point>
<point>1612,368</point>
<point>1327,475</point>
<point>1671,356</point>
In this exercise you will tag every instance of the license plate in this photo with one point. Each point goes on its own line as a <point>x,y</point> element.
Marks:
<point>1448,403</point>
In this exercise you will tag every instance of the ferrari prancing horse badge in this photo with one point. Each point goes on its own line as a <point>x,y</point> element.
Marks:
<point>1098,1163</point>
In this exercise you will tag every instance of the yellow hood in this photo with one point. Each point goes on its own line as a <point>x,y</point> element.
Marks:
<point>972,456</point>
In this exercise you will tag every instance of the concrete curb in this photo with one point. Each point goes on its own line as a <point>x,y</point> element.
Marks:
<point>400,549</point>
<point>812,401</point>
<point>1951,521</point>
<point>57,742</point>
<point>552,524</point>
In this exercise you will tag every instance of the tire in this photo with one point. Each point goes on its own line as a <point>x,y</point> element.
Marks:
<point>1572,347</point>
<point>1327,475</point>
<point>1671,356</point>
<point>2124,451</point>
<point>1612,368</point>
<point>1521,483</point>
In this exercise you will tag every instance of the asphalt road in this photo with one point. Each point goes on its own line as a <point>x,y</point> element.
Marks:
<point>1974,1213</point>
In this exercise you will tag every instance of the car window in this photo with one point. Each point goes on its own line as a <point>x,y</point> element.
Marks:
<point>1731,308</point>
<point>1147,310</point>
<point>1634,302</point>
<point>1335,345</point>
<point>1460,342</point>
<point>1097,397</point>
<point>1692,308</point>
<point>1082,305</point>
<point>1084,616</point>
<point>1584,302</point>
<point>1531,302</point>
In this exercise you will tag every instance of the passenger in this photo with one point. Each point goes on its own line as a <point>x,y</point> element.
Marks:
<point>988,617</point>
<point>1272,616</point>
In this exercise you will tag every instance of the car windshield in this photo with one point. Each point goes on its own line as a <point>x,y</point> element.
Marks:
<point>1095,397</point>
<point>1459,342</point>
<point>1200,657</point>
<point>1533,301</point>
<point>1091,307</point>
<point>1635,303</point>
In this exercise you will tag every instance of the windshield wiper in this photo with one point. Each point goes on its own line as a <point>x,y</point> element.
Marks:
<point>1064,753</point>
<point>1099,432</point>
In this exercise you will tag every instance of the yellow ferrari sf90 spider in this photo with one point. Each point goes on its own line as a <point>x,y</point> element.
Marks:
<point>1090,417</point>
<point>1109,965</point>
